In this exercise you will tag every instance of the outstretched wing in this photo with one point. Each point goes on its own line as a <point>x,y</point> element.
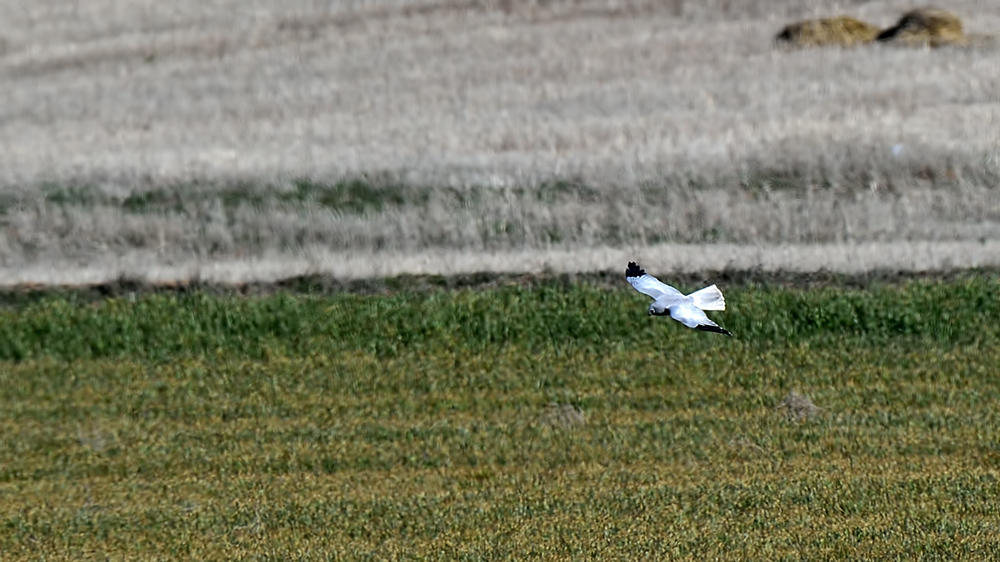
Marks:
<point>713,328</point>
<point>694,317</point>
<point>709,298</point>
<point>649,285</point>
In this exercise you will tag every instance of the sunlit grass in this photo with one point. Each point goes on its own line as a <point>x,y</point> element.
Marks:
<point>549,316</point>
<point>333,445</point>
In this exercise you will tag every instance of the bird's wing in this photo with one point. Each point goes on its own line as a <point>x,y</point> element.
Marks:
<point>709,298</point>
<point>649,285</point>
<point>693,317</point>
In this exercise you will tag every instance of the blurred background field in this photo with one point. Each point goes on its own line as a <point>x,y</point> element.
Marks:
<point>159,140</point>
<point>543,422</point>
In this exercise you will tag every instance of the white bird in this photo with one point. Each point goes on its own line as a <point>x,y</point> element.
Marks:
<point>686,309</point>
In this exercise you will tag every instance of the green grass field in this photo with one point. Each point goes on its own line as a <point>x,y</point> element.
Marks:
<point>417,425</point>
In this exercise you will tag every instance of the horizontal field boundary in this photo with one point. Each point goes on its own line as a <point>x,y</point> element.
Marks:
<point>325,271</point>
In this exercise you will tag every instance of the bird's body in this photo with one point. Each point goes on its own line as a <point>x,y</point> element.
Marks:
<point>668,301</point>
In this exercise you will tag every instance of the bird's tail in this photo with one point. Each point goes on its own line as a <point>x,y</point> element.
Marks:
<point>709,298</point>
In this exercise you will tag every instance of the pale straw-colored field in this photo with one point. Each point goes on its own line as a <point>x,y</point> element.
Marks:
<point>507,135</point>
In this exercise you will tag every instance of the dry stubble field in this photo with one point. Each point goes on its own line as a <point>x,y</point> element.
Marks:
<point>242,140</point>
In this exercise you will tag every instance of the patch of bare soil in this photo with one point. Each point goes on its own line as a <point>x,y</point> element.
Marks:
<point>798,407</point>
<point>562,416</point>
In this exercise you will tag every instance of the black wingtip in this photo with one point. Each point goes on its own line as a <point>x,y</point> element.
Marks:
<point>715,329</point>
<point>634,270</point>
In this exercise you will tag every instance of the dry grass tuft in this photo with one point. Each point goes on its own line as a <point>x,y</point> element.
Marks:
<point>96,439</point>
<point>564,416</point>
<point>742,444</point>
<point>926,26</point>
<point>249,533</point>
<point>798,407</point>
<point>843,31</point>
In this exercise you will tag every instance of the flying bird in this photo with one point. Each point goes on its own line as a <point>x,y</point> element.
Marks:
<point>668,301</point>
